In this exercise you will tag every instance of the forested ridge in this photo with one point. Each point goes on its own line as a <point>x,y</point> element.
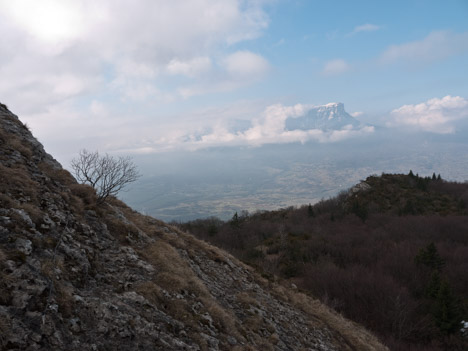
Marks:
<point>390,253</point>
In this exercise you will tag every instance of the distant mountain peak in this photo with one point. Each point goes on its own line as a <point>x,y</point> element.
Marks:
<point>330,116</point>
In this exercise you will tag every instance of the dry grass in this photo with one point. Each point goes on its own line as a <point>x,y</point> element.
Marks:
<point>61,175</point>
<point>246,300</point>
<point>224,319</point>
<point>150,291</point>
<point>174,273</point>
<point>6,201</point>
<point>64,298</point>
<point>13,142</point>
<point>353,333</point>
<point>19,145</point>
<point>120,230</point>
<point>319,314</point>
<point>85,192</point>
<point>17,181</point>
<point>33,212</point>
<point>48,267</point>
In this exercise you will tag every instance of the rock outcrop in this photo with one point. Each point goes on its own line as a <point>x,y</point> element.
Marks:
<point>75,275</point>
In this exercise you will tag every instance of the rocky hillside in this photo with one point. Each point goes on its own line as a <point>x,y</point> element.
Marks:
<point>75,275</point>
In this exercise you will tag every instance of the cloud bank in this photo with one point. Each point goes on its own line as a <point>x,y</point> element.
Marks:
<point>435,115</point>
<point>267,128</point>
<point>54,50</point>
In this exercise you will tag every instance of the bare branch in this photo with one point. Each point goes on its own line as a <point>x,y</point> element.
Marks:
<point>106,174</point>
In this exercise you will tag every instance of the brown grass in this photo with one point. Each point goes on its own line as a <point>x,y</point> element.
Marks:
<point>223,319</point>
<point>174,273</point>
<point>13,142</point>
<point>60,175</point>
<point>17,181</point>
<point>64,298</point>
<point>353,333</point>
<point>48,267</point>
<point>34,212</point>
<point>6,201</point>
<point>19,145</point>
<point>85,192</point>
<point>150,291</point>
<point>120,230</point>
<point>246,300</point>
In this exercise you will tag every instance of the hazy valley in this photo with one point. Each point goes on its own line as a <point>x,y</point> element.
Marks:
<point>221,181</point>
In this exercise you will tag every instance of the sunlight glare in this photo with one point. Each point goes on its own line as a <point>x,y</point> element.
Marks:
<point>48,20</point>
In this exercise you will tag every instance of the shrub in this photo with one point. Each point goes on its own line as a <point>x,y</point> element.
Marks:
<point>106,174</point>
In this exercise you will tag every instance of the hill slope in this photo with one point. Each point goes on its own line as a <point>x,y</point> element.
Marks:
<point>390,253</point>
<point>78,276</point>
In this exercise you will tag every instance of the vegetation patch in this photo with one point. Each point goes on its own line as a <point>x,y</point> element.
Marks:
<point>390,254</point>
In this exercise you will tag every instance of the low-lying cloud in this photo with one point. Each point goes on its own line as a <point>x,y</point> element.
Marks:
<point>268,128</point>
<point>435,115</point>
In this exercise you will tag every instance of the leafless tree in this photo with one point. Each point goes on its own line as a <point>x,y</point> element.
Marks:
<point>106,174</point>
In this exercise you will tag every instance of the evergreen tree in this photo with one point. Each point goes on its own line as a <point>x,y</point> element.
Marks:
<point>310,211</point>
<point>429,257</point>
<point>212,229</point>
<point>235,220</point>
<point>433,287</point>
<point>446,310</point>
<point>359,209</point>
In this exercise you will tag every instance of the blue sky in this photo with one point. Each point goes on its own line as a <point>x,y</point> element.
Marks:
<point>148,76</point>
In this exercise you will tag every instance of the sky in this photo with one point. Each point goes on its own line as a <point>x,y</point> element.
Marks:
<point>151,76</point>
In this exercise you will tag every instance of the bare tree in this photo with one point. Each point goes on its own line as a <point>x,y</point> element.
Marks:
<point>106,174</point>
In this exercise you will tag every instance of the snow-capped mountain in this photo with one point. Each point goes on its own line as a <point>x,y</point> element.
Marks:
<point>329,116</point>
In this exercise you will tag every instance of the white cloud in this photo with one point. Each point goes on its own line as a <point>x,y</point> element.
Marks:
<point>357,114</point>
<point>131,49</point>
<point>228,73</point>
<point>190,68</point>
<point>48,20</point>
<point>435,115</point>
<point>267,128</point>
<point>436,46</point>
<point>368,27</point>
<point>107,128</point>
<point>245,64</point>
<point>335,67</point>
